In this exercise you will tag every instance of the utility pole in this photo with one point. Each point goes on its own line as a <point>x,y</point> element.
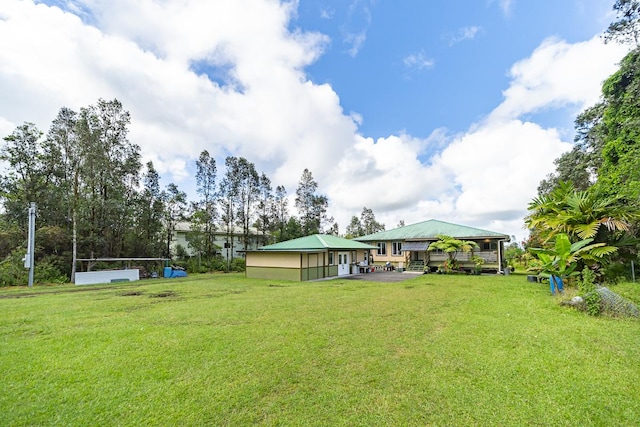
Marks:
<point>29,257</point>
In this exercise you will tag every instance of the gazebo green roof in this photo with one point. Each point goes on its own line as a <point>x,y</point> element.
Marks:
<point>316,242</point>
<point>428,230</point>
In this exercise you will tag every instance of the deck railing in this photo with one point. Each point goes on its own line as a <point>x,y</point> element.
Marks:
<point>488,256</point>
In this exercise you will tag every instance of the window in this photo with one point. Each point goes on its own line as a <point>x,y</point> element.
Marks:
<point>330,258</point>
<point>396,248</point>
<point>489,246</point>
<point>382,248</point>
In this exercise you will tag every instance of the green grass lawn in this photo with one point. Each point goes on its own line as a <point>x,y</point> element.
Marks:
<point>226,350</point>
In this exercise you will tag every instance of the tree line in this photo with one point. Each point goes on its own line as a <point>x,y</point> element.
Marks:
<point>95,198</point>
<point>594,192</point>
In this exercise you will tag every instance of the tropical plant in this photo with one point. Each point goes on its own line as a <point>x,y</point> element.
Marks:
<point>451,246</point>
<point>562,260</point>
<point>577,213</point>
<point>448,266</point>
<point>478,262</point>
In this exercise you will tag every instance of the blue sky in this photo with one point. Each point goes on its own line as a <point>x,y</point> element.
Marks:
<point>415,109</point>
<point>462,52</point>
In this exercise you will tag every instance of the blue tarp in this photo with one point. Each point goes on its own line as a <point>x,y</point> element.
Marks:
<point>173,272</point>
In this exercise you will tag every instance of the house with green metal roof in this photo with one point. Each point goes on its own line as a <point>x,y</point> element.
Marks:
<point>407,247</point>
<point>308,258</point>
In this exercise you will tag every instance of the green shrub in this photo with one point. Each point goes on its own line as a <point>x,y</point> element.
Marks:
<point>12,271</point>
<point>46,271</point>
<point>237,264</point>
<point>181,253</point>
<point>587,287</point>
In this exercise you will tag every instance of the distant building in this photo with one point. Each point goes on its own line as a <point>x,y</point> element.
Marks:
<point>181,237</point>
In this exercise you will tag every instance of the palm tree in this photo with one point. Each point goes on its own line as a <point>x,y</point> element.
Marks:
<point>451,246</point>
<point>579,214</point>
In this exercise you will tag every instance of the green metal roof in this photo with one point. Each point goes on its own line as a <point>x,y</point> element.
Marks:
<point>316,242</point>
<point>428,230</point>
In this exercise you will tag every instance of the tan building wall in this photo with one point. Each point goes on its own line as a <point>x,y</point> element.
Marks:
<point>397,259</point>
<point>297,265</point>
<point>273,259</point>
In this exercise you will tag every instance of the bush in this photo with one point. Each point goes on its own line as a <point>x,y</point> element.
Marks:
<point>210,265</point>
<point>614,273</point>
<point>587,287</point>
<point>12,271</point>
<point>181,253</point>
<point>46,271</point>
<point>237,264</point>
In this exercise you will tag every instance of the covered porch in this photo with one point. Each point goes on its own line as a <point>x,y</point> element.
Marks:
<point>419,258</point>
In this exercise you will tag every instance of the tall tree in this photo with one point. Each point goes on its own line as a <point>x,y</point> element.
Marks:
<point>280,213</point>
<point>228,200</point>
<point>626,28</point>
<point>63,154</point>
<point>354,229</point>
<point>26,180</point>
<point>248,191</point>
<point>312,207</point>
<point>369,223</point>
<point>582,164</point>
<point>111,166</point>
<point>205,212</point>
<point>620,170</point>
<point>175,202</point>
<point>150,215</point>
<point>264,224</point>
<point>293,229</point>
<point>334,229</point>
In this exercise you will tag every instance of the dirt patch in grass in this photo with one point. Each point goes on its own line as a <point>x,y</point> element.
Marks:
<point>59,291</point>
<point>130,293</point>
<point>164,294</point>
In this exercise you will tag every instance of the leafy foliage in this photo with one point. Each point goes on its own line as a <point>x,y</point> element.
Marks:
<point>562,259</point>
<point>364,225</point>
<point>95,199</point>
<point>592,298</point>
<point>451,246</point>
<point>312,207</point>
<point>626,29</point>
<point>578,213</point>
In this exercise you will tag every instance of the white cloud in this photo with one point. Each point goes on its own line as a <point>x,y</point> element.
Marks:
<point>558,74</point>
<point>418,61</point>
<point>486,176</point>
<point>355,42</point>
<point>357,25</point>
<point>327,13</point>
<point>505,5</point>
<point>465,33</point>
<point>51,59</point>
<point>144,53</point>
